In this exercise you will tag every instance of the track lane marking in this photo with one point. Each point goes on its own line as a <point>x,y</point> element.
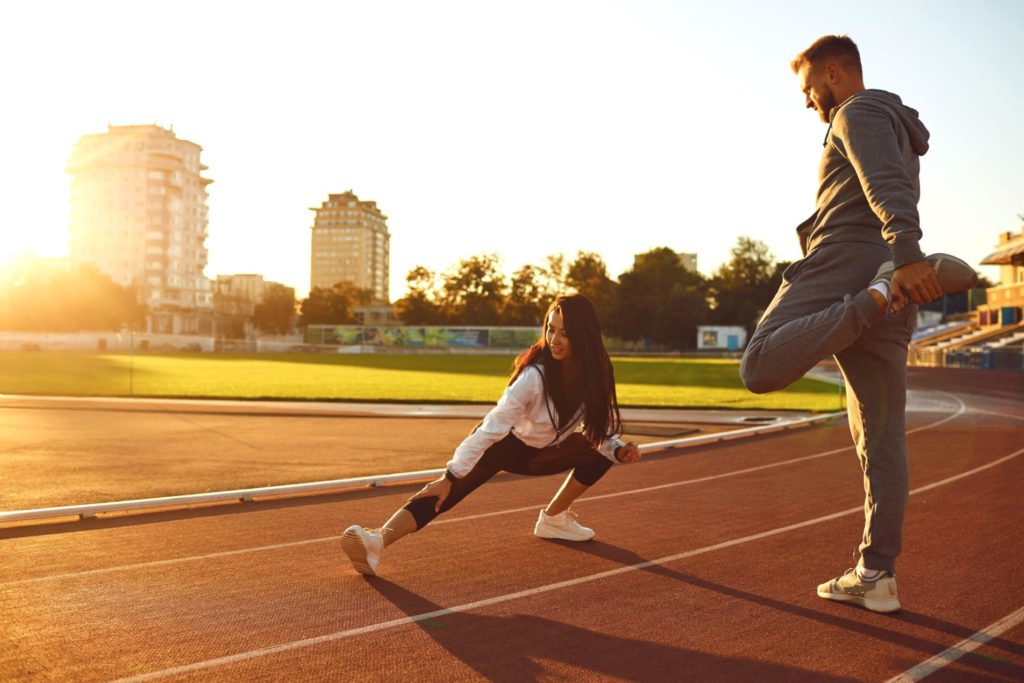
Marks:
<point>498,599</point>
<point>294,544</point>
<point>965,646</point>
<point>993,412</point>
<point>325,539</point>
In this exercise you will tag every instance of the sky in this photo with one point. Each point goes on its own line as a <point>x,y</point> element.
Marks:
<point>519,128</point>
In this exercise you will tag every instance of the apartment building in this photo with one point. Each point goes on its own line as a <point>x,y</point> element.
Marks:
<point>350,242</point>
<point>139,213</point>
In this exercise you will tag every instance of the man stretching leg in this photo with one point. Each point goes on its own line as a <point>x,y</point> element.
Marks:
<point>853,294</point>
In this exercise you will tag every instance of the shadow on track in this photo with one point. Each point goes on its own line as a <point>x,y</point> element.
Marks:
<point>875,629</point>
<point>514,648</point>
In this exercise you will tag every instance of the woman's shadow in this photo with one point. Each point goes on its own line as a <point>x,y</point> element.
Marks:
<point>515,647</point>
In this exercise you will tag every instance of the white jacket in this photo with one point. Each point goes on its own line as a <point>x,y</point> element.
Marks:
<point>523,411</point>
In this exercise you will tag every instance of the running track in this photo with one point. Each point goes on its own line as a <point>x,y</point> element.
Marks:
<point>704,568</point>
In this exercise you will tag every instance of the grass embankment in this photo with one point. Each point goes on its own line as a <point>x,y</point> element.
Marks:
<point>655,382</point>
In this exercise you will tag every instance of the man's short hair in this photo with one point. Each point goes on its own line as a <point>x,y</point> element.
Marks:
<point>837,48</point>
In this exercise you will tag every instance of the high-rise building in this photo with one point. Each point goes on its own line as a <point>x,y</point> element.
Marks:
<point>138,211</point>
<point>350,243</point>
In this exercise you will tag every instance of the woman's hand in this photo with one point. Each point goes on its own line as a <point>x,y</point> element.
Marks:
<point>628,453</point>
<point>439,487</point>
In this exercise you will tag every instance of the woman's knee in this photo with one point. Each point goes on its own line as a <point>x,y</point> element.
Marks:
<point>592,469</point>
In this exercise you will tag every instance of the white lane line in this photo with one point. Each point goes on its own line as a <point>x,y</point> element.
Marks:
<point>946,657</point>
<point>162,563</point>
<point>498,599</point>
<point>465,518</point>
<point>993,412</point>
<point>959,411</point>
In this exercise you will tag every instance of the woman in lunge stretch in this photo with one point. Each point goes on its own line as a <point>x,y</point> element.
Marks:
<point>558,414</point>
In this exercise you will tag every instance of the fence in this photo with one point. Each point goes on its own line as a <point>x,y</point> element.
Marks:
<point>427,337</point>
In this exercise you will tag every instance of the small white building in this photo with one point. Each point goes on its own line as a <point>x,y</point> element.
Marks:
<point>721,338</point>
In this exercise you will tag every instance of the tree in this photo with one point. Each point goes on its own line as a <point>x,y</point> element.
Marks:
<point>588,275</point>
<point>60,297</point>
<point>532,290</point>
<point>420,306</point>
<point>276,313</point>
<point>660,300</point>
<point>334,306</point>
<point>474,291</point>
<point>743,287</point>
<point>529,297</point>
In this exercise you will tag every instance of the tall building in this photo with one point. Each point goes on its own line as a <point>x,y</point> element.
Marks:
<point>138,211</point>
<point>350,243</point>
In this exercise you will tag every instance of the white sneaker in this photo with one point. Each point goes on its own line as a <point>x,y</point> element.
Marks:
<point>563,526</point>
<point>363,547</point>
<point>877,595</point>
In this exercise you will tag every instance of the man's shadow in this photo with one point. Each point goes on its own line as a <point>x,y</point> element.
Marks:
<point>888,631</point>
<point>513,648</point>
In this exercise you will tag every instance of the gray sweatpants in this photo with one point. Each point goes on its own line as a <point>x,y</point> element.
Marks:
<point>821,310</point>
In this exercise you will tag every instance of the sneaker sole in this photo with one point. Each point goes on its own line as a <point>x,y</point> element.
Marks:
<point>954,274</point>
<point>353,546</point>
<point>880,606</point>
<point>539,533</point>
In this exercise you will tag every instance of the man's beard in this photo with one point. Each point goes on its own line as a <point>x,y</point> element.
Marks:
<point>826,106</point>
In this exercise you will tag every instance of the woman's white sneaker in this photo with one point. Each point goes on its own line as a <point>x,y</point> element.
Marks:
<point>562,526</point>
<point>363,548</point>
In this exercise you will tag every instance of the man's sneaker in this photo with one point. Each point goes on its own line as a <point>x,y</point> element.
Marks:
<point>954,274</point>
<point>363,547</point>
<point>563,526</point>
<point>878,595</point>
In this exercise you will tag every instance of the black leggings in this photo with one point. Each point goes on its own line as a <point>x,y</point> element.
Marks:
<point>512,455</point>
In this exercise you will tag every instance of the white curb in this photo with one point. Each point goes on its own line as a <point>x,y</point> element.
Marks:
<point>247,495</point>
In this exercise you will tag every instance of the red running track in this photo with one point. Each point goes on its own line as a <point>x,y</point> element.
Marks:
<point>704,568</point>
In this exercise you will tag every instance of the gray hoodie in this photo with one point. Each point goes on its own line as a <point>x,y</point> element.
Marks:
<point>868,183</point>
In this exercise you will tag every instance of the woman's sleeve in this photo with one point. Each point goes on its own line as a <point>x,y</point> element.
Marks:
<point>513,405</point>
<point>609,445</point>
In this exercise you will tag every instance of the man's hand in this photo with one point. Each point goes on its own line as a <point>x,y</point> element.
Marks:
<point>439,487</point>
<point>915,282</point>
<point>628,453</point>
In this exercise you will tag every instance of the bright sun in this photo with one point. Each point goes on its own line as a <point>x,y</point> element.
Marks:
<point>35,225</point>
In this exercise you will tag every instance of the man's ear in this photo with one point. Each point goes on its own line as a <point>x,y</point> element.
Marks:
<point>833,73</point>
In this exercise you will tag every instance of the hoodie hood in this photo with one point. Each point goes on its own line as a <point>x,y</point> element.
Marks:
<point>892,103</point>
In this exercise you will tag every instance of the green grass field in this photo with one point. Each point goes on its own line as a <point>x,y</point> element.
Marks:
<point>654,382</point>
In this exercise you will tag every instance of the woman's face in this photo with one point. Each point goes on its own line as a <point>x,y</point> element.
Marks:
<point>556,338</point>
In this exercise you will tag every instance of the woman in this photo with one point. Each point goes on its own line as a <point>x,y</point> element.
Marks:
<point>559,384</point>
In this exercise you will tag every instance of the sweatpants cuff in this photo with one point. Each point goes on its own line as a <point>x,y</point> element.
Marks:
<point>878,563</point>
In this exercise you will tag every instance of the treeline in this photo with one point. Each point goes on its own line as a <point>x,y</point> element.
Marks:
<point>57,297</point>
<point>657,299</point>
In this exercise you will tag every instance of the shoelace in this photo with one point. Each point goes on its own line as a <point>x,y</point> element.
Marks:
<point>571,518</point>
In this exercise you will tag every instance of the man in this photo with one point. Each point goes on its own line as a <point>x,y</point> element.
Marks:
<point>853,294</point>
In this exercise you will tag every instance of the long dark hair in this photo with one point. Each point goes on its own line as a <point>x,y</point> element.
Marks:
<point>590,380</point>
